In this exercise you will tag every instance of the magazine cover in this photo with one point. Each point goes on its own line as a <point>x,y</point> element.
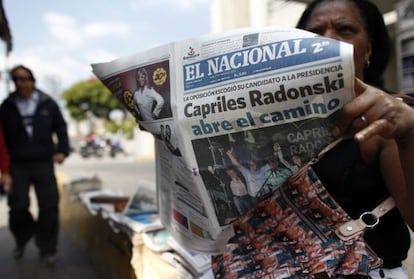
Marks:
<point>141,212</point>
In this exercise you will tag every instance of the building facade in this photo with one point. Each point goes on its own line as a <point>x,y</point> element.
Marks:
<point>398,15</point>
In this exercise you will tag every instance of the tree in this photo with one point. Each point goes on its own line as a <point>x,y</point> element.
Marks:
<point>92,97</point>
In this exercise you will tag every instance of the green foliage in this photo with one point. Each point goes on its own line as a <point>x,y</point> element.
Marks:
<point>126,126</point>
<point>91,96</point>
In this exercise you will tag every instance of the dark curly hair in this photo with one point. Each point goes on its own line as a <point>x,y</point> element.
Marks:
<point>376,30</point>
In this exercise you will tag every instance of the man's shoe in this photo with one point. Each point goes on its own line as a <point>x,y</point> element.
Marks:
<point>49,259</point>
<point>18,252</point>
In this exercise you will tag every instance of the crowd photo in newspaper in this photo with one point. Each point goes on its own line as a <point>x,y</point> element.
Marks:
<point>233,115</point>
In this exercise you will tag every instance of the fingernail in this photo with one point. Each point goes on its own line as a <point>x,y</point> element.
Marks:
<point>359,137</point>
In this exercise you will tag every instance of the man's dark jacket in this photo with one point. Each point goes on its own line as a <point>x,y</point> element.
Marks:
<point>48,122</point>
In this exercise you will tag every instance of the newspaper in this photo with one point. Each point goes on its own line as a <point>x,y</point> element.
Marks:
<point>234,115</point>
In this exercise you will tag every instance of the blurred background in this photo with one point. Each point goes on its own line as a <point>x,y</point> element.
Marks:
<point>59,40</point>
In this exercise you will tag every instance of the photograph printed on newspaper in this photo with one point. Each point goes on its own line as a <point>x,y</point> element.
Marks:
<point>234,115</point>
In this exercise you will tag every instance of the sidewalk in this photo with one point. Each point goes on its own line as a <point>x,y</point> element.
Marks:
<point>70,265</point>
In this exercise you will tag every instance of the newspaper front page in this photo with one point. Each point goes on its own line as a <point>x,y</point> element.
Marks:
<point>234,115</point>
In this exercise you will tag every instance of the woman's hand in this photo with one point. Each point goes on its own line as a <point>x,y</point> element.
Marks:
<point>374,112</point>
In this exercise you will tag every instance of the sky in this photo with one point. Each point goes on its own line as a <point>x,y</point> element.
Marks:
<point>59,39</point>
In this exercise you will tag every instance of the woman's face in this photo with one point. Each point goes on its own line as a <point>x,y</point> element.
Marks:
<point>142,79</point>
<point>341,20</point>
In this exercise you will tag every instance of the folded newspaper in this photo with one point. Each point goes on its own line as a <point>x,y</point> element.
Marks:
<point>234,115</point>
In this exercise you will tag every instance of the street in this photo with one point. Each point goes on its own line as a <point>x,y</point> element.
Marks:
<point>120,174</point>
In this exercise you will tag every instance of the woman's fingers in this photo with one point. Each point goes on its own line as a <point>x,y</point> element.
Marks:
<point>352,116</point>
<point>373,112</point>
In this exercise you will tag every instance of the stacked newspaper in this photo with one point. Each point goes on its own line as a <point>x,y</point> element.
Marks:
<point>234,115</point>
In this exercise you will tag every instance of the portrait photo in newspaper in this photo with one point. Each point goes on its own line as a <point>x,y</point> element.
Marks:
<point>144,91</point>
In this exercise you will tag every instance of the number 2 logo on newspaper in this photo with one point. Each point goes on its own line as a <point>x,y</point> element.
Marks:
<point>319,46</point>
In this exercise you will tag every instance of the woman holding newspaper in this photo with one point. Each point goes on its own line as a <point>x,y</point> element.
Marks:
<point>377,161</point>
